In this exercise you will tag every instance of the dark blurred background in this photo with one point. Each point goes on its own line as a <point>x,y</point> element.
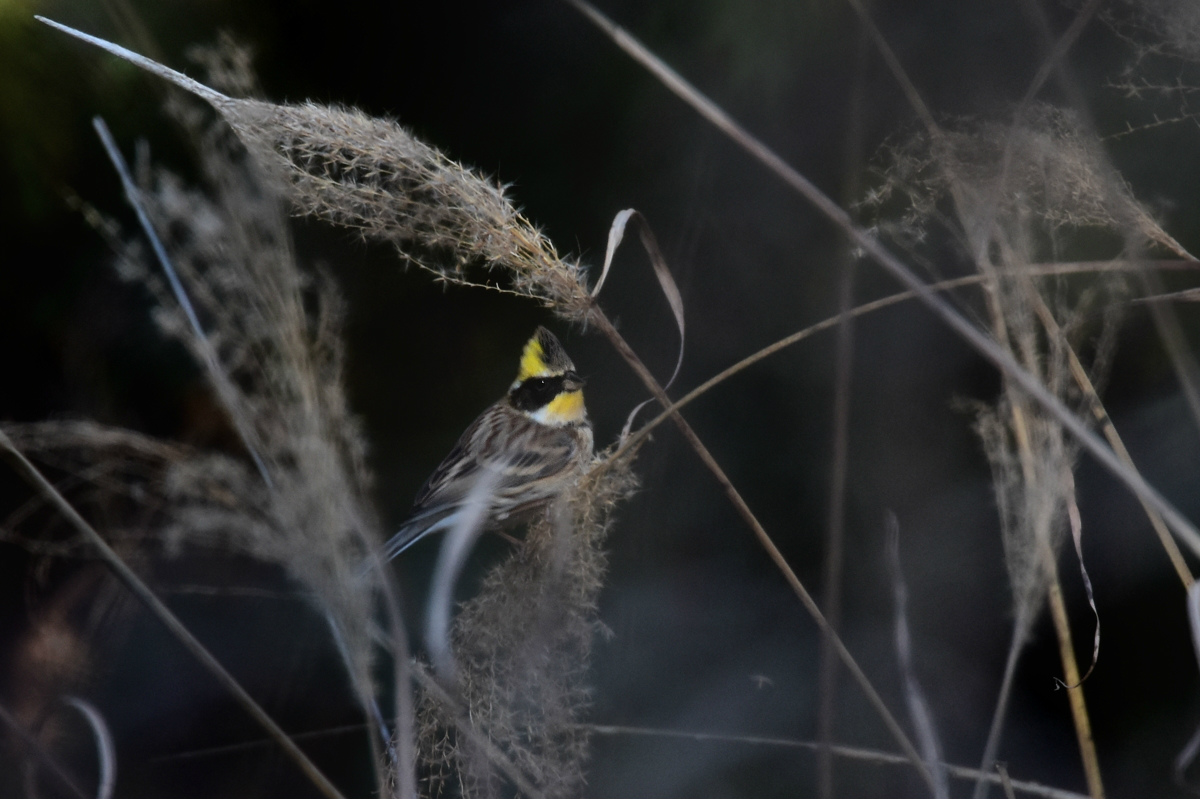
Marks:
<point>533,94</point>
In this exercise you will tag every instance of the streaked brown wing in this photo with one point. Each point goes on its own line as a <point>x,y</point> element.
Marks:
<point>522,450</point>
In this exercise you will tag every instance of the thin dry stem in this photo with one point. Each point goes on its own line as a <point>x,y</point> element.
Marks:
<point>848,752</point>
<point>1074,688</point>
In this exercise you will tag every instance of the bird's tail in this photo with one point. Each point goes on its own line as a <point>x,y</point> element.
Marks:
<point>415,529</point>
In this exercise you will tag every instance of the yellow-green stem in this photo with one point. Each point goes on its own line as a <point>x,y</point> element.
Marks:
<point>1066,652</point>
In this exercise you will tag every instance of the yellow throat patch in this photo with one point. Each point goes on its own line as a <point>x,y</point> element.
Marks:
<point>566,407</point>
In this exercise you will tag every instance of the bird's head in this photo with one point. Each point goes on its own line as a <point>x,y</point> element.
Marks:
<point>547,388</point>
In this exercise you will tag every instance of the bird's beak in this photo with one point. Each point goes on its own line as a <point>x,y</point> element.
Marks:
<point>573,382</point>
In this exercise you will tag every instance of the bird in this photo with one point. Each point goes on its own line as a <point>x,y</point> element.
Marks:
<point>537,438</point>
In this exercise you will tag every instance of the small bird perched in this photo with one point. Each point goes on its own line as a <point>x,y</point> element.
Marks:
<point>537,438</point>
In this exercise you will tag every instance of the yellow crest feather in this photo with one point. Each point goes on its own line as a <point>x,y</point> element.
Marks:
<point>533,363</point>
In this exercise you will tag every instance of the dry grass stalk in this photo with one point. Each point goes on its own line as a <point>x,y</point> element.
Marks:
<point>522,646</point>
<point>283,367</point>
<point>276,367</point>
<point>1130,223</point>
<point>1020,193</point>
<point>372,175</point>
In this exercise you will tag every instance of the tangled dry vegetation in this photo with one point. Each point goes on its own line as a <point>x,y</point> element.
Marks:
<point>1012,197</point>
<point>267,330</point>
<point>1010,203</point>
